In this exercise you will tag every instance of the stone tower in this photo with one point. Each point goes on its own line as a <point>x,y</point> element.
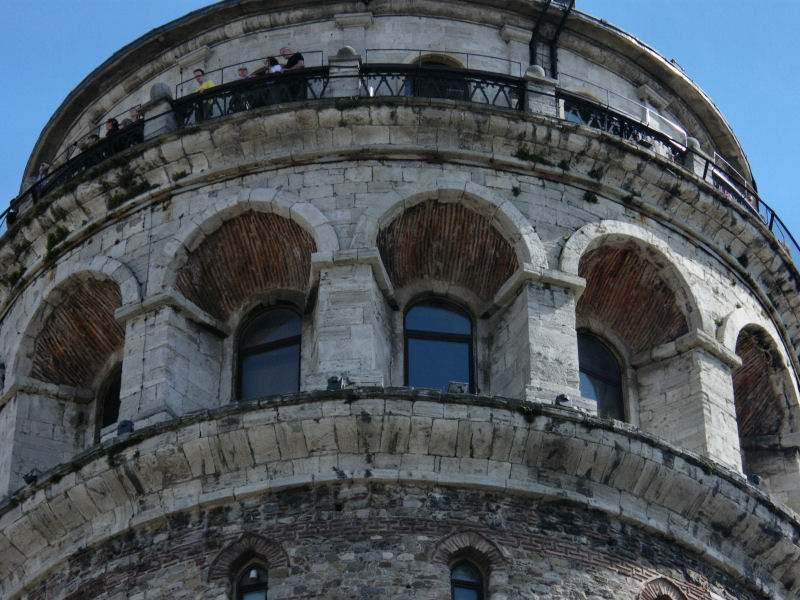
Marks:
<point>473,299</point>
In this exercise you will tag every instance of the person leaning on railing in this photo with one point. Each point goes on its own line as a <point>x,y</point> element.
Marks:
<point>204,109</point>
<point>239,101</point>
<point>294,62</point>
<point>133,116</point>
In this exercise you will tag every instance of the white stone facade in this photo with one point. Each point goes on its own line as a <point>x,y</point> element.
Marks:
<point>609,236</point>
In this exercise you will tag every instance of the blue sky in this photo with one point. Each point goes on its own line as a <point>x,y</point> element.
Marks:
<point>743,54</point>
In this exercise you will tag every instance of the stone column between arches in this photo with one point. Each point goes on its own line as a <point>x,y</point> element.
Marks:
<point>172,360</point>
<point>352,319</point>
<point>686,396</point>
<point>533,349</point>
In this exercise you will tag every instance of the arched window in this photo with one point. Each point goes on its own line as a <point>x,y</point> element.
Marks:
<point>269,354</point>
<point>601,377</point>
<point>466,581</point>
<point>108,398</point>
<point>438,345</point>
<point>251,584</point>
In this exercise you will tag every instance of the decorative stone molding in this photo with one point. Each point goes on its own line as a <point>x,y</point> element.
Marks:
<point>661,589</point>
<point>511,33</point>
<point>247,547</point>
<point>469,543</point>
<point>362,19</point>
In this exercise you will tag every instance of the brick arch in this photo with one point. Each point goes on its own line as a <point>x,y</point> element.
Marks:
<point>249,546</point>
<point>246,256</point>
<point>501,212</point>
<point>760,410</point>
<point>78,333</point>
<point>626,290</point>
<point>446,242</point>
<point>470,544</point>
<point>661,589</point>
<point>617,233</point>
<point>236,203</point>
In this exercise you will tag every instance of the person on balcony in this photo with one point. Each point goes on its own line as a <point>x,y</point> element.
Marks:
<point>272,64</point>
<point>204,109</point>
<point>240,101</point>
<point>294,61</point>
<point>202,82</point>
<point>112,127</point>
<point>44,171</point>
<point>133,117</point>
<point>296,90</point>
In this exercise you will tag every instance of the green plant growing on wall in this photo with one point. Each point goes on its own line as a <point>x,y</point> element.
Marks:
<point>130,185</point>
<point>523,152</point>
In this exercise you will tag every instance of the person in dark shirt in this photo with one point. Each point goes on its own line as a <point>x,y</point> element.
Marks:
<point>293,61</point>
<point>295,89</point>
<point>112,127</point>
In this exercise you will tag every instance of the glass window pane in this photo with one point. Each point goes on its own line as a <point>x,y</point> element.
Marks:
<point>270,326</point>
<point>434,316</point>
<point>466,573</point>
<point>434,364</point>
<point>600,378</point>
<point>254,595</point>
<point>111,400</point>
<point>269,373</point>
<point>460,593</point>
<point>594,356</point>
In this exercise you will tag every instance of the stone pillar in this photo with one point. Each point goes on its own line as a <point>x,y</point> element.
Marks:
<point>540,93</point>
<point>41,426</point>
<point>344,74</point>
<point>354,29</point>
<point>686,396</point>
<point>697,161</point>
<point>534,350</point>
<point>158,114</point>
<point>352,319</point>
<point>172,362</point>
<point>518,40</point>
<point>779,470</point>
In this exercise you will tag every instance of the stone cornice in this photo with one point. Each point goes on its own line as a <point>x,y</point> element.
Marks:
<point>601,465</point>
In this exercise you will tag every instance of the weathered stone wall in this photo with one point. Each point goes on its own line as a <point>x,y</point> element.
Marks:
<point>350,211</point>
<point>383,540</point>
<point>552,489</point>
<point>174,364</point>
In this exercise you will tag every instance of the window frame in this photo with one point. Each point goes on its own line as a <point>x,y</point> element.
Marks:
<point>111,381</point>
<point>286,342</point>
<point>240,590</point>
<point>479,587</point>
<point>601,376</point>
<point>421,334</point>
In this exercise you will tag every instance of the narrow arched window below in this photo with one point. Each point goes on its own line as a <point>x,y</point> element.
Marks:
<point>252,583</point>
<point>269,354</point>
<point>438,343</point>
<point>601,378</point>
<point>108,399</point>
<point>466,581</point>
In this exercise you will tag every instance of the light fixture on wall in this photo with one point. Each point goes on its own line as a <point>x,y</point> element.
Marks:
<point>32,476</point>
<point>562,400</point>
<point>457,387</point>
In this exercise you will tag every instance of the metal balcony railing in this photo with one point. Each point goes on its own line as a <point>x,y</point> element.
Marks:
<point>249,94</point>
<point>591,114</point>
<point>429,81</point>
<point>433,81</point>
<point>93,155</point>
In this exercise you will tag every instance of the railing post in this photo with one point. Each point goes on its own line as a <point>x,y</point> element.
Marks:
<point>343,71</point>
<point>160,106</point>
<point>696,160</point>
<point>540,92</point>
